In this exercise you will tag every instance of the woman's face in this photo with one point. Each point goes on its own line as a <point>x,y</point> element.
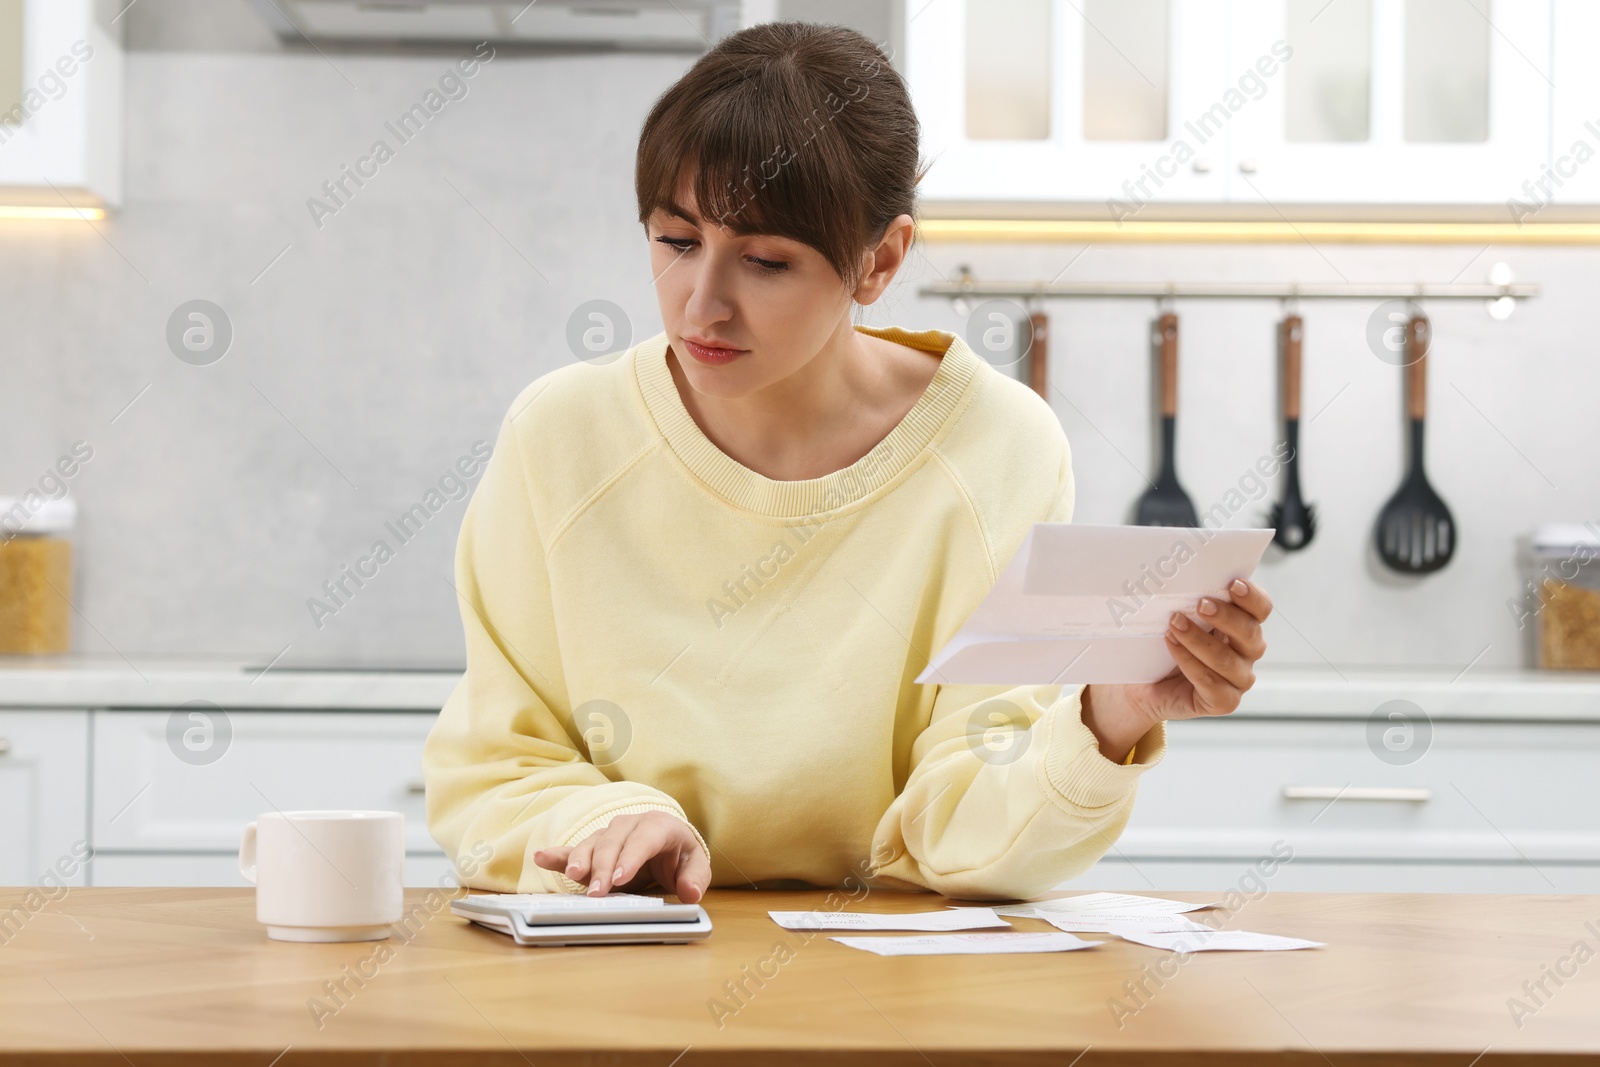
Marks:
<point>772,300</point>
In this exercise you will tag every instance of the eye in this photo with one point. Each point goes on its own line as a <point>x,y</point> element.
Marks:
<point>680,244</point>
<point>769,266</point>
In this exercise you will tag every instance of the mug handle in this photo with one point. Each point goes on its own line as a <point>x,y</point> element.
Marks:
<point>247,854</point>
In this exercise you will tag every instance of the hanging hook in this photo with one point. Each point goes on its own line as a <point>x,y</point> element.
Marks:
<point>959,302</point>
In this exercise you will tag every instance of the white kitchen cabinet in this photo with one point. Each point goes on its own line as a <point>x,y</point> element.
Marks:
<point>1065,163</point>
<point>44,793</point>
<point>1151,876</point>
<point>1487,807</point>
<point>1470,127</point>
<point>1228,113</point>
<point>149,798</point>
<point>61,141</point>
<point>1574,174</point>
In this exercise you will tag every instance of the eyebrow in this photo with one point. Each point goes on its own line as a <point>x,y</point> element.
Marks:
<point>677,210</point>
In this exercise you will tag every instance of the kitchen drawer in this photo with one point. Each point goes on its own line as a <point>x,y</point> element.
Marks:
<point>43,797</point>
<point>1499,792</point>
<point>1153,876</point>
<point>148,798</point>
<point>423,870</point>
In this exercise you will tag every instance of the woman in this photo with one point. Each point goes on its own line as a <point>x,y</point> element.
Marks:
<point>697,582</point>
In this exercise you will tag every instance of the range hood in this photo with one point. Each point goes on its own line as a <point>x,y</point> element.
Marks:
<point>671,25</point>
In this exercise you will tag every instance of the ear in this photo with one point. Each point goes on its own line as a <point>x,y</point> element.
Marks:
<point>884,260</point>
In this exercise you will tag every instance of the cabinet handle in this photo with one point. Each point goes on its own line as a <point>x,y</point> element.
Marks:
<point>1416,795</point>
<point>417,786</point>
<point>5,745</point>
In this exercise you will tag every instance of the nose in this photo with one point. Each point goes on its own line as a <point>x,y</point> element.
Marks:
<point>709,299</point>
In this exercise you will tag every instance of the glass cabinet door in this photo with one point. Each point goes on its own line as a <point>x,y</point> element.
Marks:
<point>1069,100</point>
<point>1397,101</point>
<point>1123,103</point>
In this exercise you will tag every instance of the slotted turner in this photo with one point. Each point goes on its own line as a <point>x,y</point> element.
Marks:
<point>1165,503</point>
<point>1293,521</point>
<point>1415,533</point>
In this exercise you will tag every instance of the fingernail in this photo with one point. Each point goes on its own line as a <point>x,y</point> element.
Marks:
<point>616,875</point>
<point>1180,623</point>
<point>1208,606</point>
<point>572,868</point>
<point>1170,639</point>
<point>1239,588</point>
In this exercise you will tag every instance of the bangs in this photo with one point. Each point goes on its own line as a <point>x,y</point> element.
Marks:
<point>749,182</point>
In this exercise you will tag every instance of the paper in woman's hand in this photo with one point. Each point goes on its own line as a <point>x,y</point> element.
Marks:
<point>1090,604</point>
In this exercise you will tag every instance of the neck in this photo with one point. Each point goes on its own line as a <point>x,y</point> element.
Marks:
<point>800,426</point>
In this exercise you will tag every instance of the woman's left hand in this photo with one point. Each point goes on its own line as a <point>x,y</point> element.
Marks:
<point>1214,669</point>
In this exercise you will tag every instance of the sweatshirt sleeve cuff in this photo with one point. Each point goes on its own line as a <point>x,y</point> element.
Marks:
<point>1079,774</point>
<point>600,822</point>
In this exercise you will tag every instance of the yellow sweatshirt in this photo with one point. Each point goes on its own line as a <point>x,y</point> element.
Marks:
<point>651,625</point>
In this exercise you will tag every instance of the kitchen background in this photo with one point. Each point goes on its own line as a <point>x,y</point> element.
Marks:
<point>374,346</point>
<point>385,342</point>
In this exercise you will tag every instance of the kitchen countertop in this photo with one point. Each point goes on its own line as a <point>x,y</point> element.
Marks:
<point>98,682</point>
<point>143,976</point>
<point>1280,691</point>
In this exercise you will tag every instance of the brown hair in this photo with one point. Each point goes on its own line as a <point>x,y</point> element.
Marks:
<point>792,129</point>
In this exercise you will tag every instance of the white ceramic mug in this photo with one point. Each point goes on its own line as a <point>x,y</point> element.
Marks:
<point>326,875</point>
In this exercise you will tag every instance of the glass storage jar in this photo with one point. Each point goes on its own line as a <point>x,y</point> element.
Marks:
<point>35,575</point>
<point>1562,572</point>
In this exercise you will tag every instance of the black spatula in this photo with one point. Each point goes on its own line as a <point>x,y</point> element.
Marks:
<point>1165,503</point>
<point>1293,521</point>
<point>1415,533</point>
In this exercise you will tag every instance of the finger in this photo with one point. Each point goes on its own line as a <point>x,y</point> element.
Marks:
<point>607,848</point>
<point>1242,629</point>
<point>1210,688</point>
<point>578,861</point>
<point>552,859</point>
<point>1214,652</point>
<point>1251,597</point>
<point>664,868</point>
<point>642,845</point>
<point>694,874</point>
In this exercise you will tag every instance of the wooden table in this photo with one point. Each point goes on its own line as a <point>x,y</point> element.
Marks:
<point>145,976</point>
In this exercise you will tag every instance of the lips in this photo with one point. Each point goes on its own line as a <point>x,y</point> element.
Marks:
<point>712,355</point>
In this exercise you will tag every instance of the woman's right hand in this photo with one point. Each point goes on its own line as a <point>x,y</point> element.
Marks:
<point>633,852</point>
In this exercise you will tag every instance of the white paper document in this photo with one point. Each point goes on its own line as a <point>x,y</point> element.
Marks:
<point>1223,940</point>
<point>951,919</point>
<point>1089,604</point>
<point>966,944</point>
<point>1093,923</point>
<point>1097,904</point>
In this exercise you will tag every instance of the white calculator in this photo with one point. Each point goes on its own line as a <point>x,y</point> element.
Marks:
<point>552,919</point>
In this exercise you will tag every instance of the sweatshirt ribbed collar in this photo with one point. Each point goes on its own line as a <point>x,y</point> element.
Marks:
<point>945,394</point>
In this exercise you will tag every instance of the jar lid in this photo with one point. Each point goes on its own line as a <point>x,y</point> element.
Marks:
<point>1566,537</point>
<point>17,516</point>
